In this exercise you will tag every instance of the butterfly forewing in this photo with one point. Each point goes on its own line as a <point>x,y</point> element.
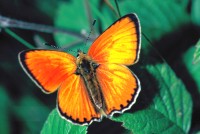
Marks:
<point>47,68</point>
<point>119,44</point>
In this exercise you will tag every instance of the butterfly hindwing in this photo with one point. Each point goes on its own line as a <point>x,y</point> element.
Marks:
<point>74,102</point>
<point>47,68</point>
<point>120,87</point>
<point>119,44</point>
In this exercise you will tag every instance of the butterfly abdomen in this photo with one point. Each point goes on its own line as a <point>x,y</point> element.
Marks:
<point>86,68</point>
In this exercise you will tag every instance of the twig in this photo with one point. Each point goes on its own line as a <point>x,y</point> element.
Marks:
<point>6,22</point>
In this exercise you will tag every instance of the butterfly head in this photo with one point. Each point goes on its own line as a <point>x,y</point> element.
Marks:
<point>80,57</point>
<point>84,62</point>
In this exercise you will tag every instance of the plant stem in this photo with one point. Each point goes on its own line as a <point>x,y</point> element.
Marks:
<point>14,35</point>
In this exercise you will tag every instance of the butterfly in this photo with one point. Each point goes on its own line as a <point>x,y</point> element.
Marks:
<point>93,85</point>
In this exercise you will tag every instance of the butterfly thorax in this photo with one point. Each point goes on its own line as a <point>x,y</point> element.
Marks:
<point>86,67</point>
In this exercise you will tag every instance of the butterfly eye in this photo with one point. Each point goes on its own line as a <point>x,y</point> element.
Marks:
<point>77,55</point>
<point>77,72</point>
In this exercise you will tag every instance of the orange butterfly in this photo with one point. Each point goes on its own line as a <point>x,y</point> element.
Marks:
<point>95,84</point>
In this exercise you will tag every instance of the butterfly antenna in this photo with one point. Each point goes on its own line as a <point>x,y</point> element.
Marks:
<point>60,48</point>
<point>50,45</point>
<point>118,11</point>
<point>90,32</point>
<point>74,52</point>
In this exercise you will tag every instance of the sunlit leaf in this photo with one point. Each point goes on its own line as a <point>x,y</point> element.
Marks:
<point>56,125</point>
<point>193,69</point>
<point>197,53</point>
<point>149,121</point>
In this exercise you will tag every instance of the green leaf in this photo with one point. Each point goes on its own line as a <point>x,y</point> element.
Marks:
<point>56,125</point>
<point>157,17</point>
<point>173,100</point>
<point>195,10</point>
<point>149,121</point>
<point>32,113</point>
<point>4,114</point>
<point>193,69</point>
<point>170,109</point>
<point>68,17</point>
<point>197,53</point>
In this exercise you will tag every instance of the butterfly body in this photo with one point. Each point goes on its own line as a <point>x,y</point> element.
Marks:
<point>86,68</point>
<point>95,84</point>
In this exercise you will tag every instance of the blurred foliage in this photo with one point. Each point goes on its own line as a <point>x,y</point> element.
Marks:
<point>48,7</point>
<point>168,68</point>
<point>32,113</point>
<point>4,116</point>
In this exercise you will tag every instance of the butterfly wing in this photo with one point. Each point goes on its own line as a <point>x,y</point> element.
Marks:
<point>119,44</point>
<point>120,87</point>
<point>47,68</point>
<point>74,102</point>
<point>51,70</point>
